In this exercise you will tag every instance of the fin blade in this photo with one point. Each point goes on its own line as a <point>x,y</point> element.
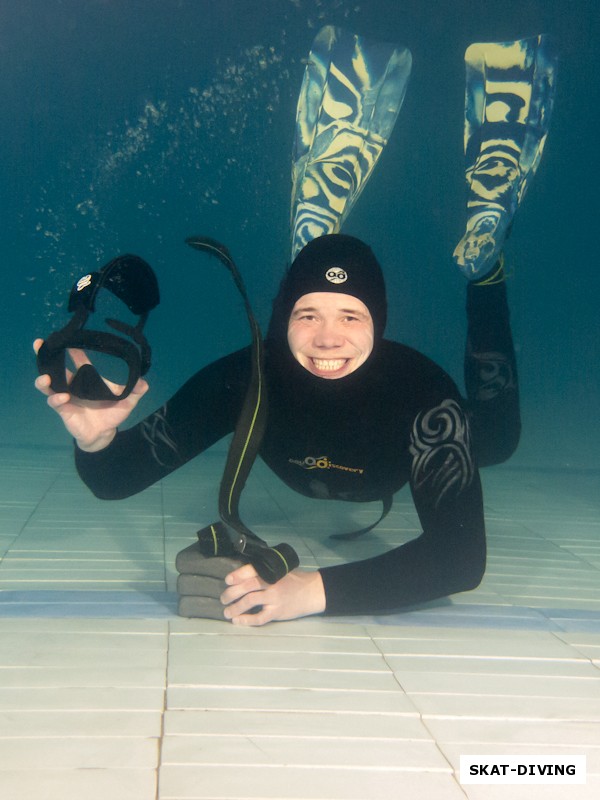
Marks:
<point>351,95</point>
<point>508,105</point>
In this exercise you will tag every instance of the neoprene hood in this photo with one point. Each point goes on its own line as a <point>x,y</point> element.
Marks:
<point>332,263</point>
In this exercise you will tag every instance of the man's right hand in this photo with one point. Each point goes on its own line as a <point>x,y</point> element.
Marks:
<point>93,423</point>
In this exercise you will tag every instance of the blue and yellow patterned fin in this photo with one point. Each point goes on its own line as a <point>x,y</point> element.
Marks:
<point>350,97</point>
<point>508,104</point>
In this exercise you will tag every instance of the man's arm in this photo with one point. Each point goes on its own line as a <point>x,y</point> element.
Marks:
<point>449,556</point>
<point>204,410</point>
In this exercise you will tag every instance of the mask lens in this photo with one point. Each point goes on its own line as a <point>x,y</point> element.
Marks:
<point>111,368</point>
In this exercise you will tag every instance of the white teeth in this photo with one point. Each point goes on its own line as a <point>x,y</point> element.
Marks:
<point>329,365</point>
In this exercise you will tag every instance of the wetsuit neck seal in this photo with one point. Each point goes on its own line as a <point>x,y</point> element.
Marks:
<point>131,280</point>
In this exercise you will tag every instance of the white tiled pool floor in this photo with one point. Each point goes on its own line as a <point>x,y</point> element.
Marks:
<point>106,693</point>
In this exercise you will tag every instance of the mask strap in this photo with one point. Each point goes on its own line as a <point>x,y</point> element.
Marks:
<point>135,332</point>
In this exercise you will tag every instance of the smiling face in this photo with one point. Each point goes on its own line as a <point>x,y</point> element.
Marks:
<point>330,334</point>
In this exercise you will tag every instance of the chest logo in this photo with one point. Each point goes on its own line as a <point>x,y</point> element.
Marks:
<point>323,462</point>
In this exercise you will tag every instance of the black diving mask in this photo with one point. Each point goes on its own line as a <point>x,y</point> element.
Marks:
<point>131,280</point>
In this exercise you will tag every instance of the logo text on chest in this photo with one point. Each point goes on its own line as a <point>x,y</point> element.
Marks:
<point>323,462</point>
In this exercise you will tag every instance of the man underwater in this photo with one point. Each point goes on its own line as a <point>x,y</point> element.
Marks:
<point>382,414</point>
<point>375,414</point>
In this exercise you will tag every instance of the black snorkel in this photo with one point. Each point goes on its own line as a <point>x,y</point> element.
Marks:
<point>230,536</point>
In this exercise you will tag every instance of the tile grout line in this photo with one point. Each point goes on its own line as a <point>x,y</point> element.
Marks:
<point>580,653</point>
<point>421,718</point>
<point>162,716</point>
<point>164,536</point>
<point>30,516</point>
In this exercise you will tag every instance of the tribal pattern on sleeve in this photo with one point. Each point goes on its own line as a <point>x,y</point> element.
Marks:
<point>155,431</point>
<point>441,451</point>
<point>495,374</point>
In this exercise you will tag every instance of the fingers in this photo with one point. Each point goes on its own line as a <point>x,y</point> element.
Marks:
<point>134,397</point>
<point>240,613</point>
<point>253,620</point>
<point>242,588</point>
<point>57,400</point>
<point>42,384</point>
<point>241,574</point>
<point>140,389</point>
<point>246,591</point>
<point>37,344</point>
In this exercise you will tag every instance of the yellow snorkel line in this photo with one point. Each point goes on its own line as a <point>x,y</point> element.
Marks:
<point>248,436</point>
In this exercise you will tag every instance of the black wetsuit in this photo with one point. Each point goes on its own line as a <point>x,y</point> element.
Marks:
<point>397,419</point>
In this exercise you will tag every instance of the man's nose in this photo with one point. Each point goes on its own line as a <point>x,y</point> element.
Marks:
<point>328,336</point>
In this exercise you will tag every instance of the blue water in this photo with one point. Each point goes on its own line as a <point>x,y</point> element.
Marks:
<point>129,125</point>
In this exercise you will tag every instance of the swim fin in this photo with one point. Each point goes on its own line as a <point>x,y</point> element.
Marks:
<point>509,98</point>
<point>350,97</point>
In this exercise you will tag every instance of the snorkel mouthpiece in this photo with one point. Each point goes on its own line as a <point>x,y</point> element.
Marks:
<point>131,280</point>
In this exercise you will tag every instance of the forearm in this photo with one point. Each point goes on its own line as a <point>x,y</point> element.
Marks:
<point>123,468</point>
<point>198,415</point>
<point>448,557</point>
<point>417,572</point>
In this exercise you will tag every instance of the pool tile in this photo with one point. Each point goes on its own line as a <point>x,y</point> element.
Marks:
<point>278,782</point>
<point>73,784</point>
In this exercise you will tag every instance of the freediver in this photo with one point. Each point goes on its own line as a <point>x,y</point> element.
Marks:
<point>351,415</point>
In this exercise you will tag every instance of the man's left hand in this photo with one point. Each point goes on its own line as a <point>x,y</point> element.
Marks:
<point>298,594</point>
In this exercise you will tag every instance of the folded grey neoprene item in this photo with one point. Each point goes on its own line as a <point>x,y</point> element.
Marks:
<point>201,582</point>
<point>204,607</point>
<point>191,562</point>
<point>200,586</point>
